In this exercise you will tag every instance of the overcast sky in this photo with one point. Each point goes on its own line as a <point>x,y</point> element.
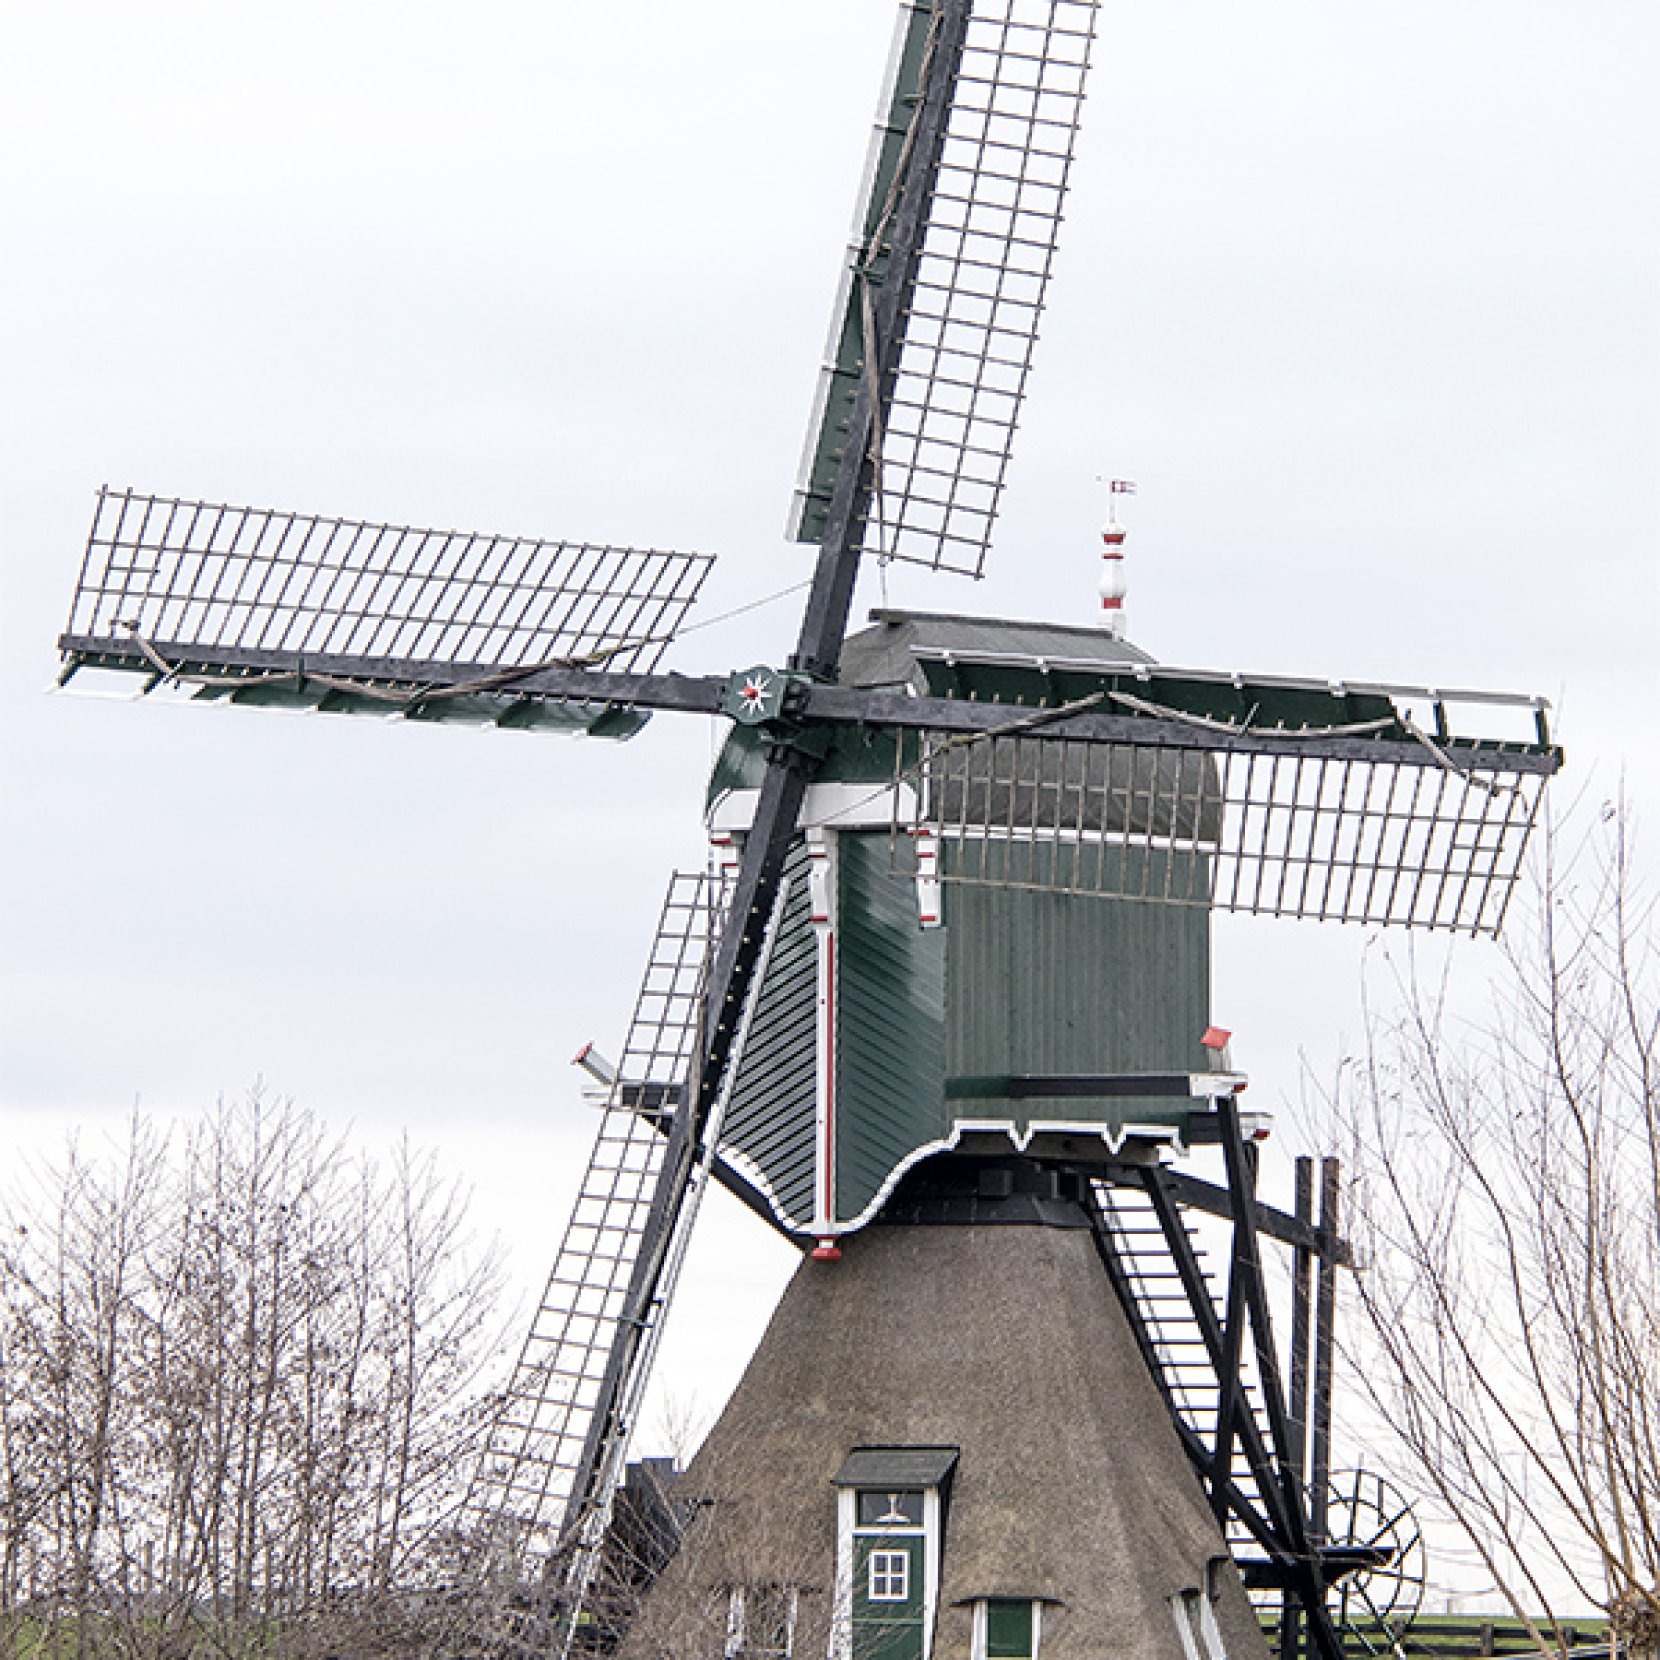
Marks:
<point>1363,297</point>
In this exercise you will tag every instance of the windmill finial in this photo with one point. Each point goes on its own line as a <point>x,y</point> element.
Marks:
<point>1113,587</point>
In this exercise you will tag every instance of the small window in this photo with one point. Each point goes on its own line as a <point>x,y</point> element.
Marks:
<point>890,1505</point>
<point>760,1622</point>
<point>890,1576</point>
<point>890,1510</point>
<point>1006,1628</point>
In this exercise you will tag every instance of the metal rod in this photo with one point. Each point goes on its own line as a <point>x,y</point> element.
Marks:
<point>1302,1274</point>
<point>1325,1345</point>
<point>1231,1394</point>
<point>1302,1271</point>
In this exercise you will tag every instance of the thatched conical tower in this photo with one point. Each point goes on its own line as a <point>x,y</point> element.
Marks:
<point>948,1444</point>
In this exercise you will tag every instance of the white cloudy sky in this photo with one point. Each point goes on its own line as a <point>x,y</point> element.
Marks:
<point>1364,297</point>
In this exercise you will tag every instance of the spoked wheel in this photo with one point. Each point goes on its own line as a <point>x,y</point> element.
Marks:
<point>1373,1607</point>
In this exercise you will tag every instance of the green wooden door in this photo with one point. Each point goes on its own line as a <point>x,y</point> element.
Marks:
<point>888,1597</point>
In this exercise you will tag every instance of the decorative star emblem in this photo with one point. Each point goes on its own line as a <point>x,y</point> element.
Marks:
<point>755,695</point>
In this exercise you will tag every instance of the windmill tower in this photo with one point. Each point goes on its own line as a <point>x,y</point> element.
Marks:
<point>938,1010</point>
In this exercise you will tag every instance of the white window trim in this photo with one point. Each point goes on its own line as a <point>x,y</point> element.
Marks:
<point>1196,1625</point>
<point>982,1624</point>
<point>891,1567</point>
<point>737,1612</point>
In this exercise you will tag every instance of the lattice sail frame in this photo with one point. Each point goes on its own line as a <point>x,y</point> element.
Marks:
<point>1427,840</point>
<point>517,1504</point>
<point>971,323</point>
<point>181,574</point>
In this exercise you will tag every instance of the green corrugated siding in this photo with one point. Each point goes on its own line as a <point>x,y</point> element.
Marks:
<point>1017,982</point>
<point>771,1114</point>
<point>1051,983</point>
<point>890,1055</point>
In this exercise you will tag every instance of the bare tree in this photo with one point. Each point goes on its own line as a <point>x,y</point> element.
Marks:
<point>240,1368</point>
<point>1507,1207</point>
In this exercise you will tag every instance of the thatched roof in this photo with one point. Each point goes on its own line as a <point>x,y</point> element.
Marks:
<point>1005,1342</point>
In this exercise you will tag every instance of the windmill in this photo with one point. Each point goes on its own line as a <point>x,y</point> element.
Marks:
<point>828,1023</point>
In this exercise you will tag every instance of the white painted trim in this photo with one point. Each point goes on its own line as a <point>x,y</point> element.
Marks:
<point>822,889</point>
<point>931,1532</point>
<point>1224,677</point>
<point>841,1619</point>
<point>933,1548</point>
<point>834,806</point>
<point>890,1567</point>
<point>981,1639</point>
<point>738,1612</point>
<point>725,854</point>
<point>928,894</point>
<point>1191,1608</point>
<point>1165,1136</point>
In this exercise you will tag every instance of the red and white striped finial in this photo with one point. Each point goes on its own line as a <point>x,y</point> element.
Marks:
<point>1113,585</point>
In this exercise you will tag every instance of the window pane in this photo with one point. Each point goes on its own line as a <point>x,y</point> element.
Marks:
<point>890,1509</point>
<point>1008,1631</point>
<point>761,1623</point>
<point>768,1620</point>
<point>890,1576</point>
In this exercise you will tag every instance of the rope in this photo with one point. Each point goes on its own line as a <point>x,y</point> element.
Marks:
<point>1009,729</point>
<point>499,681</point>
<point>1239,728</point>
<point>1491,786</point>
<point>485,683</point>
<point>1353,730</point>
<point>741,610</point>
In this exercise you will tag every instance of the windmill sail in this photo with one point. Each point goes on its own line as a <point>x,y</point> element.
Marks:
<point>985,248</point>
<point>291,608</point>
<point>516,1510</point>
<point>828,1019</point>
<point>1406,839</point>
<point>1267,794</point>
